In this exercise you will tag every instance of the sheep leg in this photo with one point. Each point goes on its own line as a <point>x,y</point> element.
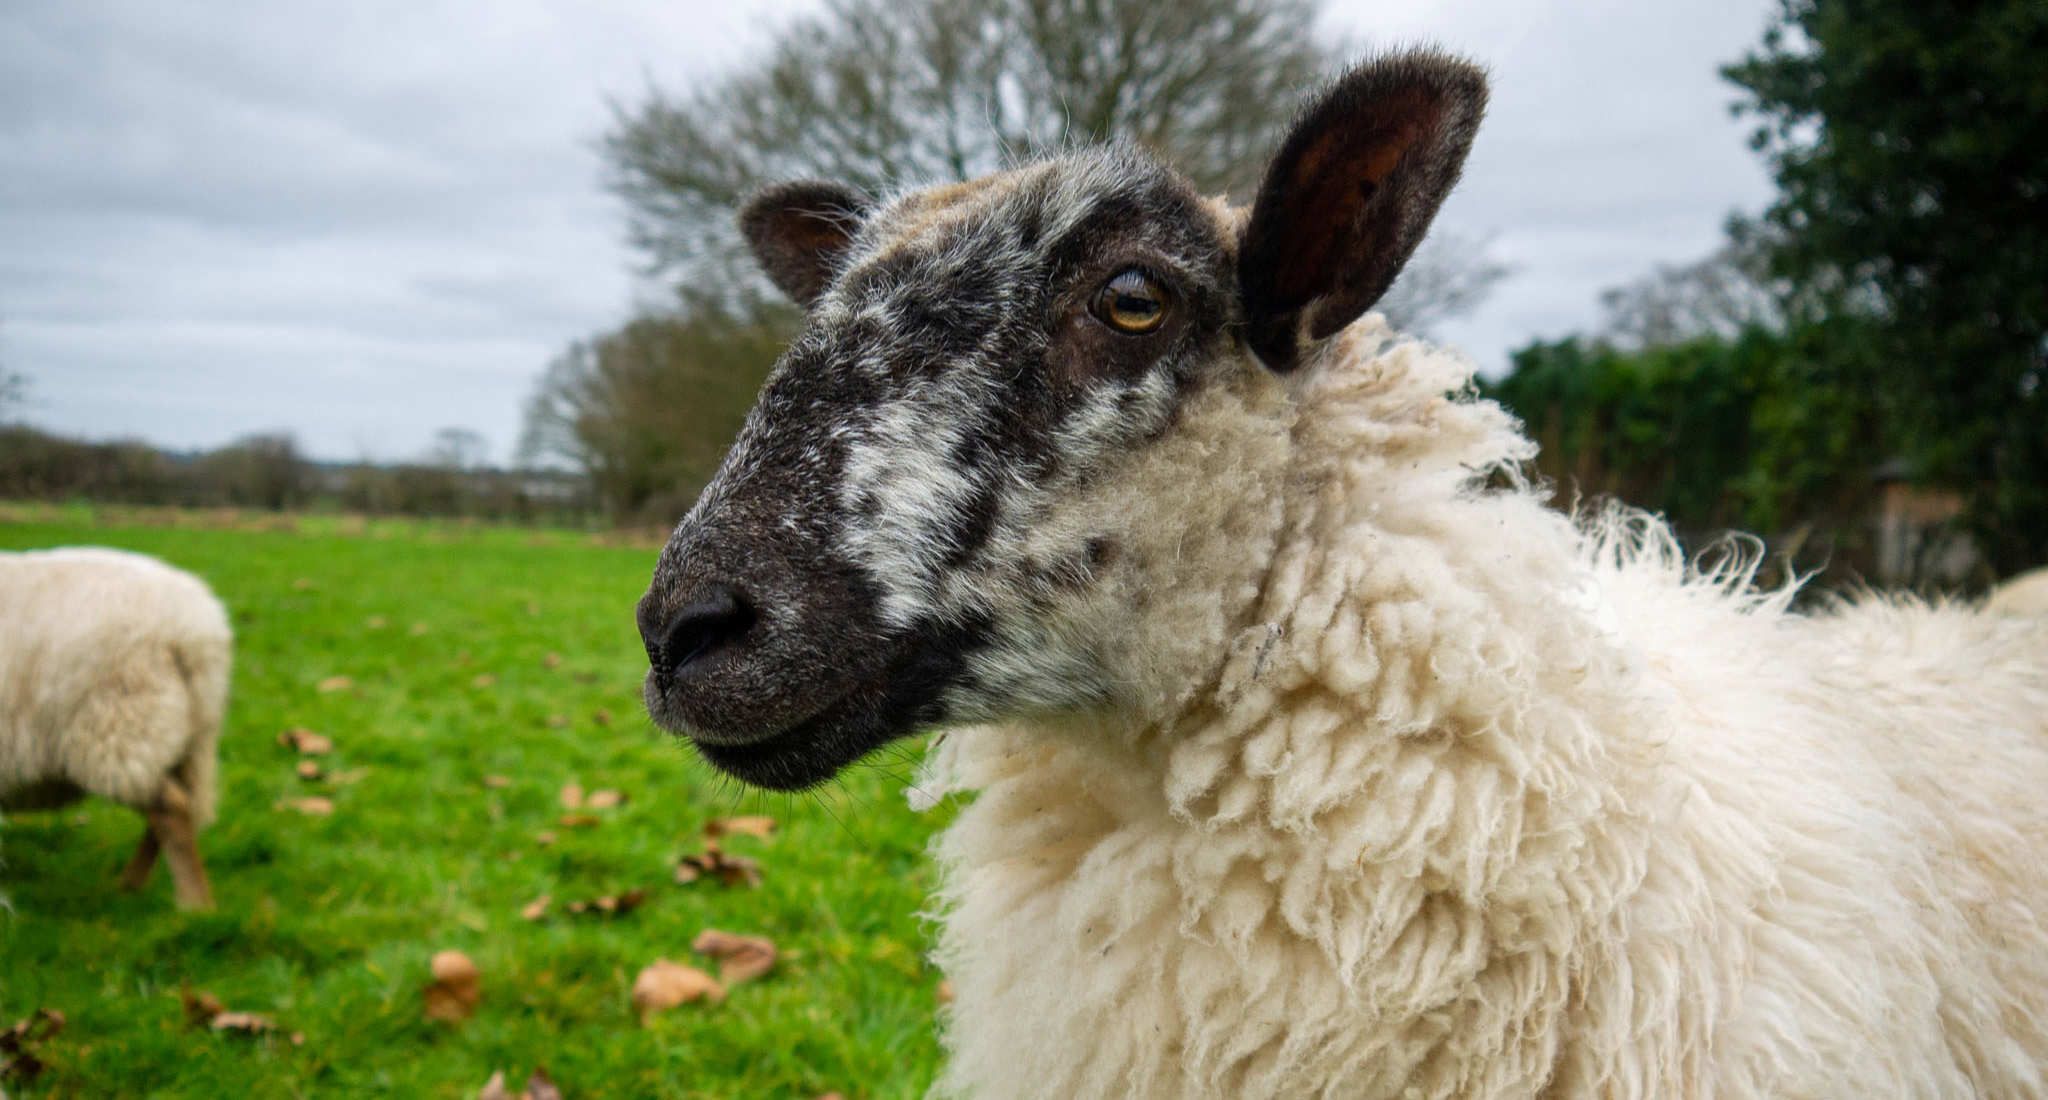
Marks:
<point>171,820</point>
<point>137,874</point>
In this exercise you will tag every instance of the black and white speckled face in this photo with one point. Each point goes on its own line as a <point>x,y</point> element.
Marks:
<point>874,555</point>
<point>955,375</point>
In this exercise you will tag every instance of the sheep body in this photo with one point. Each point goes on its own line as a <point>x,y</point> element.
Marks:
<point>113,681</point>
<point>1474,801</point>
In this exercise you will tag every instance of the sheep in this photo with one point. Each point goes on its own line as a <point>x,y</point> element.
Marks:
<point>1311,753</point>
<point>113,681</point>
<point>2026,594</point>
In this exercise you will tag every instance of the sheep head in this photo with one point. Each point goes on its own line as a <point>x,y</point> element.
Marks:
<point>947,504</point>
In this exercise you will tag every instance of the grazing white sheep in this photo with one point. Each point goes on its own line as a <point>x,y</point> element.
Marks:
<point>2026,594</point>
<point>113,681</point>
<point>1315,756</point>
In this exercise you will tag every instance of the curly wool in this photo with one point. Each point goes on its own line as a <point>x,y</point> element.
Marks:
<point>2026,594</point>
<point>1420,789</point>
<point>113,675</point>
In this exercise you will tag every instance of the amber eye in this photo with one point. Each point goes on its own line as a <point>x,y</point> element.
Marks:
<point>1130,302</point>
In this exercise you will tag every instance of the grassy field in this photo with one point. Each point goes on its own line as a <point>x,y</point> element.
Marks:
<point>470,653</point>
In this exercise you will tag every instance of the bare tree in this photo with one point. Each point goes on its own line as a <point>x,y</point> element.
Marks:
<point>1719,295</point>
<point>878,93</point>
<point>458,450</point>
<point>1449,275</point>
<point>881,93</point>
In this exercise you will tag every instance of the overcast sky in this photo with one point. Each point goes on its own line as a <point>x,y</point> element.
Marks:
<point>362,222</point>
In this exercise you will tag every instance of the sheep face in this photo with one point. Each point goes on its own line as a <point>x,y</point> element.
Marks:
<point>910,528</point>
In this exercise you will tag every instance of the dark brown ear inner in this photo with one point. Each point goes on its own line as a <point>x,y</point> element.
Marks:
<point>1350,194</point>
<point>798,231</point>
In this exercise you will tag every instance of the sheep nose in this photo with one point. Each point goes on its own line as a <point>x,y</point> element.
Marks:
<point>717,617</point>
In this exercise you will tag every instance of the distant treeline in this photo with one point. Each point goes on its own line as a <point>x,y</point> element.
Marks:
<point>268,472</point>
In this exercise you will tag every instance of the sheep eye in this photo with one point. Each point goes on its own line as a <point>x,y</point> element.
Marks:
<point>1131,301</point>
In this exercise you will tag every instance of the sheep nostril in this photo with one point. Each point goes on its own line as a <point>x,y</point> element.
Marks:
<point>718,617</point>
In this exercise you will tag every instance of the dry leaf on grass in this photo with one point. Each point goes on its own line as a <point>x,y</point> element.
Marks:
<point>601,716</point>
<point>538,1087</point>
<point>375,622</point>
<point>205,1010</point>
<point>572,796</point>
<point>605,799</point>
<point>417,629</point>
<point>497,782</point>
<point>334,684</point>
<point>310,771</point>
<point>552,660</point>
<point>666,984</point>
<point>763,827</point>
<point>611,905</point>
<point>729,870</point>
<point>579,821</point>
<point>483,680</point>
<point>453,994</point>
<point>557,721</point>
<point>305,741</point>
<point>19,1060</point>
<point>313,806</point>
<point>740,958</point>
<point>544,838</point>
<point>537,908</point>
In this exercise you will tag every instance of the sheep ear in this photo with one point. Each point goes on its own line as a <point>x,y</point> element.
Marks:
<point>798,232</point>
<point>1349,196</point>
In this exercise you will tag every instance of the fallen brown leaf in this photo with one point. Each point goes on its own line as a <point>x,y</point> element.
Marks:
<point>537,908</point>
<point>544,838</point>
<point>334,684</point>
<point>205,1010</point>
<point>601,716</point>
<point>243,1023</point>
<point>729,870</point>
<point>614,905</point>
<point>498,782</point>
<point>538,1087</point>
<point>945,991</point>
<point>453,994</point>
<point>579,821</point>
<point>19,1060</point>
<point>763,827</point>
<point>305,741</point>
<point>200,1008</point>
<point>605,799</point>
<point>557,721</point>
<point>572,796</point>
<point>740,958</point>
<point>665,984</point>
<point>310,771</point>
<point>312,806</point>
<point>483,680</point>
<point>552,660</point>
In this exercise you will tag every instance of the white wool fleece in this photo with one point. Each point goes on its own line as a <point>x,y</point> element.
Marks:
<point>113,675</point>
<point>1419,789</point>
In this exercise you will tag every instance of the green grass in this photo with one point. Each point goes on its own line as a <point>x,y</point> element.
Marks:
<point>327,924</point>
